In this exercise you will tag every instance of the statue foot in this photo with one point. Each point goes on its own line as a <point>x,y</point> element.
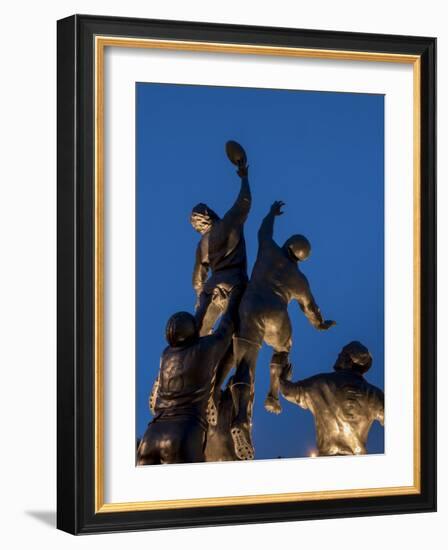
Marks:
<point>272,405</point>
<point>242,442</point>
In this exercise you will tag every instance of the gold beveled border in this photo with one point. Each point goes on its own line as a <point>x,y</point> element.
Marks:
<point>101,42</point>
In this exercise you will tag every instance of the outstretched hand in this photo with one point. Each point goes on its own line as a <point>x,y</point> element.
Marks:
<point>325,325</point>
<point>276,208</point>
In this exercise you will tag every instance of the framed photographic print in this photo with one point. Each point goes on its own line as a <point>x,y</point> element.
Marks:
<point>246,274</point>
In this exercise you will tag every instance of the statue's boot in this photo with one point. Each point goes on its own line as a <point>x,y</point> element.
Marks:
<point>213,407</point>
<point>242,426</point>
<point>278,362</point>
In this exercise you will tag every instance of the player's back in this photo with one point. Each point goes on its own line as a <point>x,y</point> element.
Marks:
<point>184,383</point>
<point>275,273</point>
<point>344,405</point>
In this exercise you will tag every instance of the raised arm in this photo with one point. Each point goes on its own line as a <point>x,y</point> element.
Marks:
<point>200,270</point>
<point>239,211</point>
<point>266,231</point>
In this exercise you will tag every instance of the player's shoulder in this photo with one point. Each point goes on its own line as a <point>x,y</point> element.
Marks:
<point>219,230</point>
<point>167,350</point>
<point>363,384</point>
<point>300,276</point>
<point>376,392</point>
<point>341,378</point>
<point>318,379</point>
<point>206,343</point>
<point>271,249</point>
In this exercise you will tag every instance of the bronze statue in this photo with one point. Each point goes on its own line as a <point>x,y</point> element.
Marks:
<point>221,250</point>
<point>182,391</point>
<point>263,316</point>
<point>343,403</point>
<point>194,418</point>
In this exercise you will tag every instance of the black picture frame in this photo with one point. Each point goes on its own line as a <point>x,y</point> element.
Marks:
<point>76,512</point>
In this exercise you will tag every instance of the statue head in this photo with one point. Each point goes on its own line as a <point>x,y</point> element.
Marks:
<point>202,218</point>
<point>298,248</point>
<point>354,357</point>
<point>181,329</point>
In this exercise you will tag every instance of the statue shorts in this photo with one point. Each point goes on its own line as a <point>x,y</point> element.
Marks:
<point>264,317</point>
<point>213,302</point>
<point>172,440</point>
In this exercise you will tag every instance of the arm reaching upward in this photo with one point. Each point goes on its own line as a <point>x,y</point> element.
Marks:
<point>266,231</point>
<point>200,270</point>
<point>238,213</point>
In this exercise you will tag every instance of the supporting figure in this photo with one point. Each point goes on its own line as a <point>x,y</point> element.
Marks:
<point>343,403</point>
<point>221,250</point>
<point>219,446</point>
<point>179,401</point>
<point>263,316</point>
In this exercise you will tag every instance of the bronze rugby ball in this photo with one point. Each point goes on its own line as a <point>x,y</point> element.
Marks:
<point>236,154</point>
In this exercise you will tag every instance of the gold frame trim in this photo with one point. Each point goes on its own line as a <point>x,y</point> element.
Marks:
<point>101,42</point>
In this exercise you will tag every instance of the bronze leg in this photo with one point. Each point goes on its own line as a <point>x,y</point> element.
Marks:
<point>206,314</point>
<point>246,354</point>
<point>278,362</point>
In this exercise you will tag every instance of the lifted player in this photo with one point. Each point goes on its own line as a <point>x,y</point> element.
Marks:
<point>263,316</point>
<point>221,250</point>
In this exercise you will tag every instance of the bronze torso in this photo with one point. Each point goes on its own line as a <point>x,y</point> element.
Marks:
<point>344,406</point>
<point>184,387</point>
<point>224,249</point>
<point>275,276</point>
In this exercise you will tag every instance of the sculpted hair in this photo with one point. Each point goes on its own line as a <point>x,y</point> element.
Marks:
<point>202,215</point>
<point>354,356</point>
<point>181,329</point>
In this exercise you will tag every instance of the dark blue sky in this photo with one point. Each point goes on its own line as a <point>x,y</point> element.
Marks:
<point>322,154</point>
